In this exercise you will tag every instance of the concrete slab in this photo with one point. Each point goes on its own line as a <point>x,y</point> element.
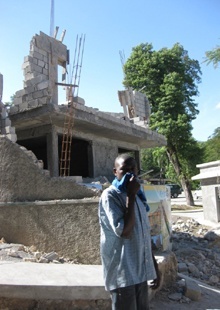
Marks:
<point>197,215</point>
<point>24,282</point>
<point>51,281</point>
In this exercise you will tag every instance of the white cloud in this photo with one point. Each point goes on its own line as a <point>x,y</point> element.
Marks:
<point>218,106</point>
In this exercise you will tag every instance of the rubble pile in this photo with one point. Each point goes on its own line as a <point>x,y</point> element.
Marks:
<point>197,249</point>
<point>19,252</point>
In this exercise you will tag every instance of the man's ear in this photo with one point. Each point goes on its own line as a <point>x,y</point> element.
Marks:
<point>114,171</point>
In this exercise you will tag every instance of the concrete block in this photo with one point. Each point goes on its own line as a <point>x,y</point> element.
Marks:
<point>45,92</point>
<point>37,55</point>
<point>33,103</point>
<point>23,106</point>
<point>9,129</point>
<point>14,109</point>
<point>35,61</point>
<point>39,50</point>
<point>45,71</point>
<point>79,100</point>
<point>42,101</point>
<point>30,97</point>
<point>192,290</point>
<point>38,79</point>
<point>30,89</point>
<point>27,69</point>
<point>25,65</point>
<point>136,119</point>
<point>28,59</point>
<point>20,93</point>
<point>29,76</point>
<point>140,123</point>
<point>41,63</point>
<point>17,101</point>
<point>45,59</point>
<point>24,98</point>
<point>12,137</point>
<point>38,94</point>
<point>36,68</point>
<point>43,85</point>
<point>27,83</point>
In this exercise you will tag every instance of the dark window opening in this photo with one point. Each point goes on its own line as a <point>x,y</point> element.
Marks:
<point>38,146</point>
<point>81,157</point>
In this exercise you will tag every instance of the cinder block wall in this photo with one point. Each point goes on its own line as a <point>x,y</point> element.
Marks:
<point>71,228</point>
<point>40,73</point>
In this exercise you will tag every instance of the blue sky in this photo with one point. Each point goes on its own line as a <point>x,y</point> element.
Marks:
<point>110,27</point>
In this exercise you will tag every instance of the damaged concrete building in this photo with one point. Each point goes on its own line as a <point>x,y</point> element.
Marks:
<point>37,206</point>
<point>97,136</point>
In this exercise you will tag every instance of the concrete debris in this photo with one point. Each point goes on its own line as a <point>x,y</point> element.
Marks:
<point>192,290</point>
<point>19,253</point>
<point>197,249</point>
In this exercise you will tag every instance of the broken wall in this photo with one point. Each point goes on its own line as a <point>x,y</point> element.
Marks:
<point>22,180</point>
<point>136,106</point>
<point>5,123</point>
<point>40,69</point>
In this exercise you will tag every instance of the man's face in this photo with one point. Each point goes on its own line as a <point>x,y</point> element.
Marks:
<point>123,166</point>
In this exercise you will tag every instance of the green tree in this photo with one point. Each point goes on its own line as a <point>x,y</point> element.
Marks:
<point>11,102</point>
<point>213,56</point>
<point>212,147</point>
<point>169,79</point>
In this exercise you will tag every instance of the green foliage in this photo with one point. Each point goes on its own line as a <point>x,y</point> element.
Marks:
<point>154,159</point>
<point>11,102</point>
<point>212,147</point>
<point>169,79</point>
<point>213,56</point>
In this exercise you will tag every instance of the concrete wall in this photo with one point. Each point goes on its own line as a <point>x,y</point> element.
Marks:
<point>209,177</point>
<point>104,155</point>
<point>5,123</point>
<point>22,180</point>
<point>211,205</point>
<point>70,228</point>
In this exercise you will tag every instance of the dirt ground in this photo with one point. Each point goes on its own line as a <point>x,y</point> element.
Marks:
<point>210,300</point>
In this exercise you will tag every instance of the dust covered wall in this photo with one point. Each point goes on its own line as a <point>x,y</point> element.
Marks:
<point>104,153</point>
<point>70,228</point>
<point>22,180</point>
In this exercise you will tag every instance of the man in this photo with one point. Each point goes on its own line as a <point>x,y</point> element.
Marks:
<point>126,253</point>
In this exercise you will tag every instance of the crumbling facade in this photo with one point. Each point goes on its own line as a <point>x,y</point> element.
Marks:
<point>41,73</point>
<point>30,185</point>
<point>136,106</point>
<point>5,123</point>
<point>97,137</point>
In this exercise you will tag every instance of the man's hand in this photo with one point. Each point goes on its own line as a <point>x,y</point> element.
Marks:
<point>156,282</point>
<point>133,186</point>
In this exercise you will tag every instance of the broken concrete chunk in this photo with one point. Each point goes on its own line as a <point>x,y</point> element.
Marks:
<point>192,290</point>
<point>51,256</point>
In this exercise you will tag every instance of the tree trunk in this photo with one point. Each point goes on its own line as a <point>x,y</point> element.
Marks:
<point>183,179</point>
<point>187,190</point>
